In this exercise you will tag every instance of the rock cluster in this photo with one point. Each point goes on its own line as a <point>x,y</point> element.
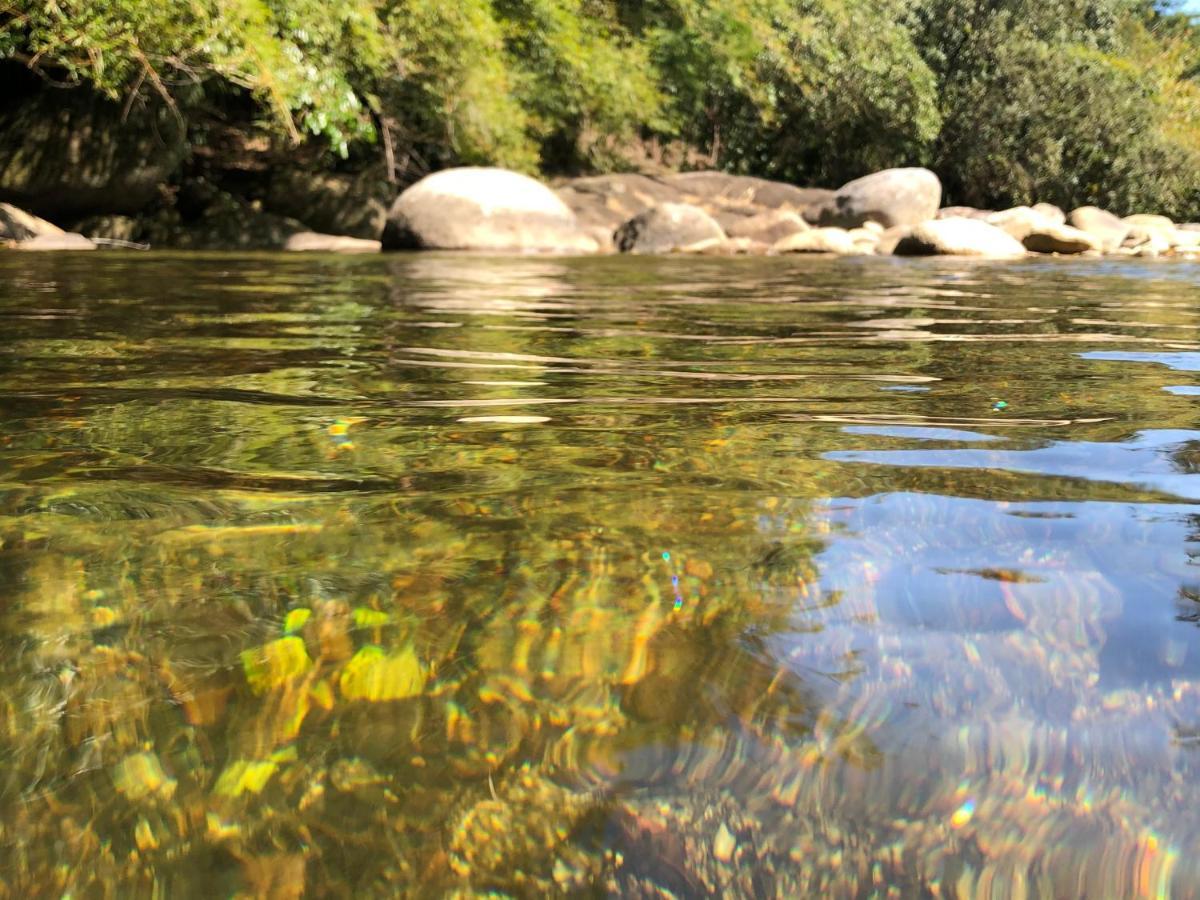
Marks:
<point>893,212</point>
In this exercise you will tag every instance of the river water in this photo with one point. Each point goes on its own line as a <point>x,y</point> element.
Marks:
<point>429,574</point>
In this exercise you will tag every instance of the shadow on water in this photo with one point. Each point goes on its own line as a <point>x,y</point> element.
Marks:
<point>425,574</point>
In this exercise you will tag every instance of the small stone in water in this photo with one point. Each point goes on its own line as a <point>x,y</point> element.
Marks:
<point>376,676</point>
<point>143,835</point>
<point>724,844</point>
<point>275,663</point>
<point>141,775</point>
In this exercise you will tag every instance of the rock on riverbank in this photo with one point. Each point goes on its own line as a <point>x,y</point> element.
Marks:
<point>483,209</point>
<point>895,211</point>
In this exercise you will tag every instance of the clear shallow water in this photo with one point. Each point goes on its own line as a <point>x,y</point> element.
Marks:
<point>430,574</point>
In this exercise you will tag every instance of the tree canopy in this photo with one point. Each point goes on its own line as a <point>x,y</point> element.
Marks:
<point>1071,101</point>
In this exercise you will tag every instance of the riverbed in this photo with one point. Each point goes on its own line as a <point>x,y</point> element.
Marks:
<point>418,574</point>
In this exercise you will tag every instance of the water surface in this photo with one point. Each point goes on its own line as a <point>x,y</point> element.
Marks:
<point>432,574</point>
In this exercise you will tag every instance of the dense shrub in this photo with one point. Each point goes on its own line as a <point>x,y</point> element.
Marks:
<point>1069,101</point>
<point>1009,100</point>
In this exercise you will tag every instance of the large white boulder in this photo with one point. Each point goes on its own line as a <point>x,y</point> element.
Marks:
<point>483,209</point>
<point>1145,230</point>
<point>1050,211</point>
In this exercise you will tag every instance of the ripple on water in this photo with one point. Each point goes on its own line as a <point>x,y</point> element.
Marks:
<point>453,574</point>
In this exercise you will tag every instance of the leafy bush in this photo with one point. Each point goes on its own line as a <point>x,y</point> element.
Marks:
<point>302,59</point>
<point>1066,101</point>
<point>1009,100</point>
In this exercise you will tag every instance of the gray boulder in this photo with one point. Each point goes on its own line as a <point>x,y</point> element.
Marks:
<point>733,217</point>
<point>1158,232</point>
<point>665,228</point>
<point>891,197</point>
<point>866,239</point>
<point>716,189</point>
<point>768,227</point>
<point>1185,240</point>
<point>1108,229</point>
<point>959,237</point>
<point>610,200</point>
<point>1147,220</point>
<point>607,201</point>
<point>1149,238</point>
<point>891,238</point>
<point>483,209</point>
<point>18,225</point>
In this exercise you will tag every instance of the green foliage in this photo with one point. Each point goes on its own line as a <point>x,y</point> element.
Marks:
<point>1063,101</point>
<point>579,76</point>
<point>810,91</point>
<point>1010,100</point>
<point>453,93</point>
<point>302,59</point>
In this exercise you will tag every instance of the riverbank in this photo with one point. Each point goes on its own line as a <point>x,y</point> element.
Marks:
<point>892,212</point>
